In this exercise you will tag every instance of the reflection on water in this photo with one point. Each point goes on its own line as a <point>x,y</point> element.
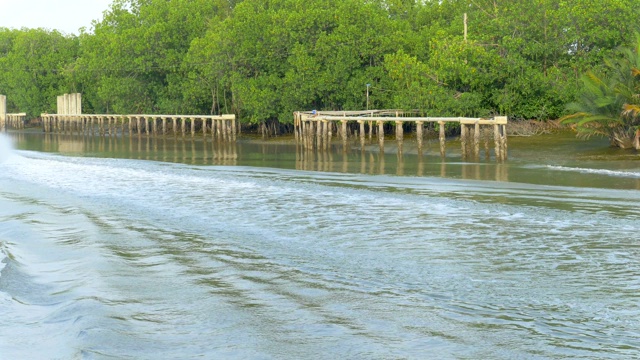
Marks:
<point>539,160</point>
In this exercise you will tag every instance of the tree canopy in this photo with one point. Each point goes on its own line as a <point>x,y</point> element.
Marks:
<point>263,59</point>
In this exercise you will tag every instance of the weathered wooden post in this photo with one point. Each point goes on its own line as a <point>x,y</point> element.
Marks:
<point>503,144</point>
<point>325,134</point>
<point>154,126</point>
<point>295,127</point>
<point>463,139</point>
<point>485,134</point>
<point>399,136</point>
<point>183,125</point>
<point>419,135</point>
<point>138,125</point>
<point>476,139</point>
<point>362,134</point>
<point>234,129</point>
<point>3,112</point>
<point>381,135</point>
<point>442,138</point>
<point>193,127</point>
<point>496,139</point>
<point>164,125</point>
<point>101,126</point>
<point>109,125</point>
<point>345,136</point>
<point>204,128</point>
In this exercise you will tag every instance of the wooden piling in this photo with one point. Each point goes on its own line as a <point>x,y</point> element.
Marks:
<point>381,135</point>
<point>442,138</point>
<point>362,134</point>
<point>503,139</point>
<point>343,132</point>
<point>463,139</point>
<point>419,135</point>
<point>476,139</point>
<point>234,129</point>
<point>496,139</point>
<point>399,136</point>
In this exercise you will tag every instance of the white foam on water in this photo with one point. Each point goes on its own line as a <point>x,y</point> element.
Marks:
<point>6,148</point>
<point>606,172</point>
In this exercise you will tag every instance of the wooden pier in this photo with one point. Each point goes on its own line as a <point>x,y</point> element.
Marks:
<point>222,127</point>
<point>14,121</point>
<point>314,130</point>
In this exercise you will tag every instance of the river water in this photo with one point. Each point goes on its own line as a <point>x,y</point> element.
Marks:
<point>164,249</point>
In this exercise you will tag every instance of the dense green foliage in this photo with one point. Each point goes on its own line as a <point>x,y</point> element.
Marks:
<point>263,59</point>
<point>609,102</point>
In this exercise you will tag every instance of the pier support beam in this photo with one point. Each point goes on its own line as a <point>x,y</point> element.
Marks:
<point>442,138</point>
<point>343,132</point>
<point>399,136</point>
<point>381,135</point>
<point>463,139</point>
<point>3,112</point>
<point>362,134</point>
<point>419,135</point>
<point>476,140</point>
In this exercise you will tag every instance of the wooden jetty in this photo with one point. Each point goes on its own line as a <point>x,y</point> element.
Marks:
<point>223,127</point>
<point>314,130</point>
<point>14,121</point>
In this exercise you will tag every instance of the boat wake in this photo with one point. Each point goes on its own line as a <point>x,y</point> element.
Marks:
<point>6,148</point>
<point>606,172</point>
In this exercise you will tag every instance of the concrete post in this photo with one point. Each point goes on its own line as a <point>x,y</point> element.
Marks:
<point>381,135</point>
<point>419,135</point>
<point>78,110</point>
<point>72,104</point>
<point>3,112</point>
<point>362,134</point>
<point>65,104</point>
<point>442,138</point>
<point>399,136</point>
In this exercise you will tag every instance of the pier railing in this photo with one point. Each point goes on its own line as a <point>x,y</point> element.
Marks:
<point>314,130</point>
<point>223,127</point>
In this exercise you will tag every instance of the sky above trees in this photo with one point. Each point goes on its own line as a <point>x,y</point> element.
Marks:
<point>66,16</point>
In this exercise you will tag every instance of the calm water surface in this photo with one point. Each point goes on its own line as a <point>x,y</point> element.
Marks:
<point>165,249</point>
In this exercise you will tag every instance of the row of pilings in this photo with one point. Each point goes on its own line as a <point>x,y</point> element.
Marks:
<point>13,121</point>
<point>222,127</point>
<point>314,131</point>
